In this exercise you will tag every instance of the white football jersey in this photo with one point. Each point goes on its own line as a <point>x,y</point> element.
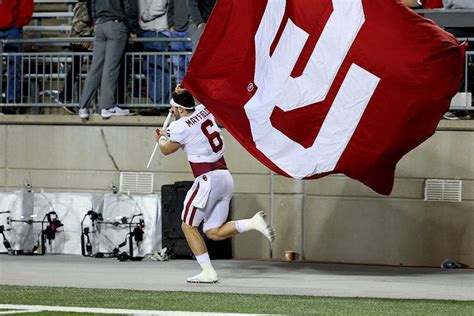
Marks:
<point>199,136</point>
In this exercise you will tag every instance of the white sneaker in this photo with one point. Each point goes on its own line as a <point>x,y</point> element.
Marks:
<point>115,111</point>
<point>204,277</point>
<point>83,113</point>
<point>259,223</point>
<point>450,116</point>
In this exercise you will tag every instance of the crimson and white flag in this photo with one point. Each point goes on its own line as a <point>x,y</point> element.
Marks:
<point>317,87</point>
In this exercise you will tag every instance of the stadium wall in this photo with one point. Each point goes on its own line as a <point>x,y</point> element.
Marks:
<point>334,219</point>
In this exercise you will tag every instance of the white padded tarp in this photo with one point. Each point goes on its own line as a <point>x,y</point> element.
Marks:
<point>114,207</point>
<point>71,208</point>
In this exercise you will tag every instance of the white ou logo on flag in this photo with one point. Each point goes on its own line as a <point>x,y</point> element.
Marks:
<point>277,87</point>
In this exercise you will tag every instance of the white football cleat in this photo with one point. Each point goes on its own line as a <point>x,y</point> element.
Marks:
<point>259,223</point>
<point>204,277</point>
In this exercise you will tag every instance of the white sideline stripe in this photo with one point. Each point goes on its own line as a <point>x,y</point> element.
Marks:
<point>21,311</point>
<point>38,308</point>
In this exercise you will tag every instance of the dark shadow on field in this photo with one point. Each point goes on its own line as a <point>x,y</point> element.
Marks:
<point>264,267</point>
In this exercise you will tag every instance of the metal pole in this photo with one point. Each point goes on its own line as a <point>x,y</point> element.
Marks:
<point>1,68</point>
<point>466,64</point>
<point>272,202</point>
<point>303,212</point>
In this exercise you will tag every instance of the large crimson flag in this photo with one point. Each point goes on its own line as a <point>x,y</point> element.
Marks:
<point>317,87</point>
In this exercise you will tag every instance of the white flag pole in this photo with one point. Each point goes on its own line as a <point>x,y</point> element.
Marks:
<point>165,125</point>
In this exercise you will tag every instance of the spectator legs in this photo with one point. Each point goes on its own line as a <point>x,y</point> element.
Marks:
<point>117,34</point>
<point>13,84</point>
<point>179,61</point>
<point>95,72</point>
<point>156,68</point>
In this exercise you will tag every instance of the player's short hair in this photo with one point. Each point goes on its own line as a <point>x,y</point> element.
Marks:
<point>183,99</point>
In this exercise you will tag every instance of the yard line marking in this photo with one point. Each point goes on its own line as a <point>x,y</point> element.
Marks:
<point>21,311</point>
<point>37,308</point>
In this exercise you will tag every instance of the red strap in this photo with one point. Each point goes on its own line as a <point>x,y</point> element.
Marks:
<point>200,168</point>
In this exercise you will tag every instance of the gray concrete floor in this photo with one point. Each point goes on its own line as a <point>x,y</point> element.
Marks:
<point>240,276</point>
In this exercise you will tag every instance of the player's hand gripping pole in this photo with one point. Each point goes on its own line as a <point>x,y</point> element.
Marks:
<point>165,125</point>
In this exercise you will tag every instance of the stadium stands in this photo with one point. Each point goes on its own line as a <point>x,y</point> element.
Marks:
<point>52,17</point>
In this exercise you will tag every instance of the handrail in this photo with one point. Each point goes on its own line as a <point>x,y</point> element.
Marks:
<point>55,1</point>
<point>449,17</point>
<point>52,14</point>
<point>45,40</point>
<point>47,28</point>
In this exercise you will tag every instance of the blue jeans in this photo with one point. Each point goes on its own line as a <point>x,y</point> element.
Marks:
<point>14,64</point>
<point>156,68</point>
<point>180,62</point>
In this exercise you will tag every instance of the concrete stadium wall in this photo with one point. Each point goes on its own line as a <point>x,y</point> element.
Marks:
<point>334,219</point>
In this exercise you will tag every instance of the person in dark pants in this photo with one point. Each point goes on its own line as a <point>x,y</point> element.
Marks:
<point>116,20</point>
<point>82,26</point>
<point>13,16</point>
<point>200,11</point>
<point>178,23</point>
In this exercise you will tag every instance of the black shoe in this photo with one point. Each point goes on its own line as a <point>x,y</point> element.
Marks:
<point>9,110</point>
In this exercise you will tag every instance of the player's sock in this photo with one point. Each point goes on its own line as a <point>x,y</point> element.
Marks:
<point>258,222</point>
<point>243,225</point>
<point>208,274</point>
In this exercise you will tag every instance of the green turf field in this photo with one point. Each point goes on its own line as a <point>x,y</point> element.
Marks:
<point>223,302</point>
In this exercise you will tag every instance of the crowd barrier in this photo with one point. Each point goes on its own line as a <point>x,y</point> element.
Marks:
<point>43,74</point>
